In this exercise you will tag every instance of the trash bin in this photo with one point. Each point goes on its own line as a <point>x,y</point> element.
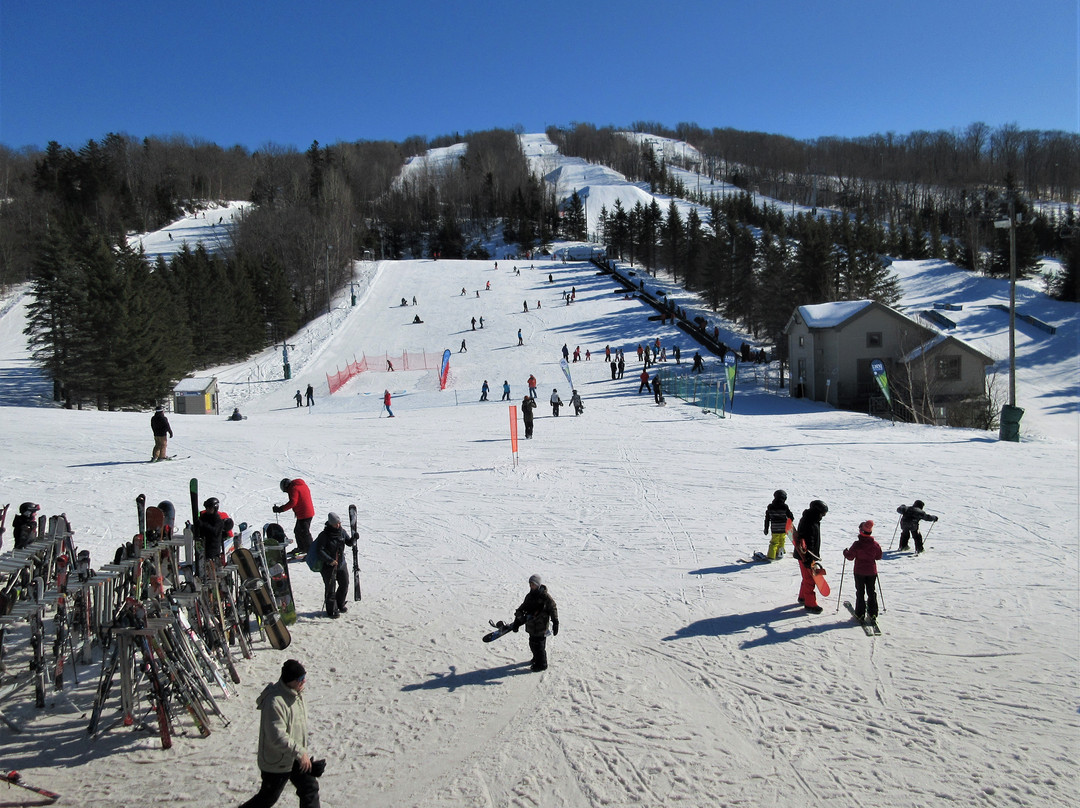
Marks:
<point>1010,423</point>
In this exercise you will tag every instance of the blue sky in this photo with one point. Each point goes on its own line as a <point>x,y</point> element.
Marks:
<point>252,73</point>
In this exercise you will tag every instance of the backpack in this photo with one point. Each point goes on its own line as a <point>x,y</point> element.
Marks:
<point>314,555</point>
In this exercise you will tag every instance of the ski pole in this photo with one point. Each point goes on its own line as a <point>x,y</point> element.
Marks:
<point>840,591</point>
<point>894,530</point>
<point>881,593</point>
<point>928,531</point>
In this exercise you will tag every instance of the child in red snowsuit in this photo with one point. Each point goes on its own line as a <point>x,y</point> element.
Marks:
<point>865,552</point>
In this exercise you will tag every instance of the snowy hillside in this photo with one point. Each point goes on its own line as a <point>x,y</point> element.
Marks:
<point>679,676</point>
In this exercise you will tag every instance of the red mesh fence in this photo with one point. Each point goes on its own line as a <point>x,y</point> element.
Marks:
<point>386,362</point>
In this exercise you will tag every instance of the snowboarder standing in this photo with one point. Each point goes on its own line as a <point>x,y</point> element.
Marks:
<point>528,404</point>
<point>777,515</point>
<point>910,516</point>
<point>865,552</point>
<point>556,402</point>
<point>301,505</point>
<point>283,741</point>
<point>536,613</point>
<point>808,551</point>
<point>159,425</point>
<point>576,403</point>
<point>335,570</point>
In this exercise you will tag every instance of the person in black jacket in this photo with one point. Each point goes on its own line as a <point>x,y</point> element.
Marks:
<point>159,425</point>
<point>910,516</point>
<point>214,526</point>
<point>536,612</point>
<point>777,515</point>
<point>24,525</point>
<point>528,404</point>
<point>332,542</point>
<point>808,551</point>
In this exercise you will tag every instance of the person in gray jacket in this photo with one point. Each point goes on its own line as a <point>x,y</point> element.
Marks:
<point>283,741</point>
<point>910,516</point>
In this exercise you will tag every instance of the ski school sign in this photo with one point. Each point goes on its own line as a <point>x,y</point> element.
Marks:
<point>877,367</point>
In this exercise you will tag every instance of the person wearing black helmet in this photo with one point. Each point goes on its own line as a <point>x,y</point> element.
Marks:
<point>910,516</point>
<point>214,527</point>
<point>777,516</point>
<point>24,525</point>
<point>808,551</point>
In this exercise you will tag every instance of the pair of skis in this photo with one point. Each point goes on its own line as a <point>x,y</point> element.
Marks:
<point>870,627</point>
<point>15,779</point>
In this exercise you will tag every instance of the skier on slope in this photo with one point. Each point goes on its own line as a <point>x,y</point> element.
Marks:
<point>159,425</point>
<point>302,507</point>
<point>777,514</point>
<point>910,516</point>
<point>808,551</point>
<point>865,552</point>
<point>536,612</point>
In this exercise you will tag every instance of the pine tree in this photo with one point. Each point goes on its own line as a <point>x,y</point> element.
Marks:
<point>574,224</point>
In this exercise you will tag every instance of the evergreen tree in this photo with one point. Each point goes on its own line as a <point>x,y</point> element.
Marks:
<point>673,239</point>
<point>574,224</point>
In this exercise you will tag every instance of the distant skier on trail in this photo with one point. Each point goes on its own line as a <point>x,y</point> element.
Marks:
<point>808,551</point>
<point>506,390</point>
<point>556,402</point>
<point>777,514</point>
<point>910,516</point>
<point>484,391</point>
<point>159,425</point>
<point>865,552</point>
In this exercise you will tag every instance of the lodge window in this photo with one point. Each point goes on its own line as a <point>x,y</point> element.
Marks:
<point>948,368</point>
<point>873,339</point>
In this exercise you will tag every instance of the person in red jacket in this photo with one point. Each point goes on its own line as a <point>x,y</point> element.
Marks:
<point>386,403</point>
<point>865,552</point>
<point>301,505</point>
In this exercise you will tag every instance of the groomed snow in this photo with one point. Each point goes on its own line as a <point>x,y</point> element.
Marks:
<point>680,676</point>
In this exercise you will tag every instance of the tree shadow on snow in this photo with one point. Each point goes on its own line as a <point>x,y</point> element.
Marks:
<point>768,620</point>
<point>452,680</point>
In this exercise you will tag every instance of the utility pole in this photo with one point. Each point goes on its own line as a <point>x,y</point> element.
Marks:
<point>1009,428</point>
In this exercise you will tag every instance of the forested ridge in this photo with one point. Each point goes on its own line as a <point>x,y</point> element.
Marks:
<point>116,331</point>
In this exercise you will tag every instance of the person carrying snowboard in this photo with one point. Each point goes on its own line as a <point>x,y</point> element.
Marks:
<point>556,402</point>
<point>865,552</point>
<point>536,612</point>
<point>335,570</point>
<point>910,516</point>
<point>301,505</point>
<point>576,403</point>
<point>777,515</point>
<point>808,551</point>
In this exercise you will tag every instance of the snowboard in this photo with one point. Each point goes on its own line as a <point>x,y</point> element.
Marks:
<point>758,557</point>
<point>820,583</point>
<point>257,588</point>
<point>277,566</point>
<point>868,626</point>
<point>15,779</point>
<point>355,553</point>
<point>501,628</point>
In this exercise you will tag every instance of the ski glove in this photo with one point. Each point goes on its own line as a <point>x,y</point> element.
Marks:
<point>555,628</point>
<point>933,518</point>
<point>276,509</point>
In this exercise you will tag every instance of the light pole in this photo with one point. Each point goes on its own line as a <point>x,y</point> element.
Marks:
<point>1009,428</point>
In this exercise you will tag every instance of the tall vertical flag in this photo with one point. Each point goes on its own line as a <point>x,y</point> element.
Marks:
<point>444,369</point>
<point>566,372</point>
<point>513,431</point>
<point>729,368</point>
<point>877,367</point>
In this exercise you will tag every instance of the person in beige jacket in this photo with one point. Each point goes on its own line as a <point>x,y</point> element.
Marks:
<point>283,743</point>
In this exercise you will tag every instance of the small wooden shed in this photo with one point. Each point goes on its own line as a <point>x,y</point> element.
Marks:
<point>196,396</point>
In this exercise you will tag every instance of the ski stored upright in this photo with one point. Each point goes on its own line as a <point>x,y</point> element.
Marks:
<point>355,553</point>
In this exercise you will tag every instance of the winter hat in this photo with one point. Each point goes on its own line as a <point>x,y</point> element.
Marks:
<point>867,528</point>
<point>920,504</point>
<point>159,408</point>
<point>333,519</point>
<point>534,579</point>
<point>292,670</point>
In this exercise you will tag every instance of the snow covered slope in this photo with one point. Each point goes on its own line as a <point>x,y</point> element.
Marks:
<point>679,675</point>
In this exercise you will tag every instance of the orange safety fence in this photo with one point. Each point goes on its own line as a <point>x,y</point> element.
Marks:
<point>386,363</point>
